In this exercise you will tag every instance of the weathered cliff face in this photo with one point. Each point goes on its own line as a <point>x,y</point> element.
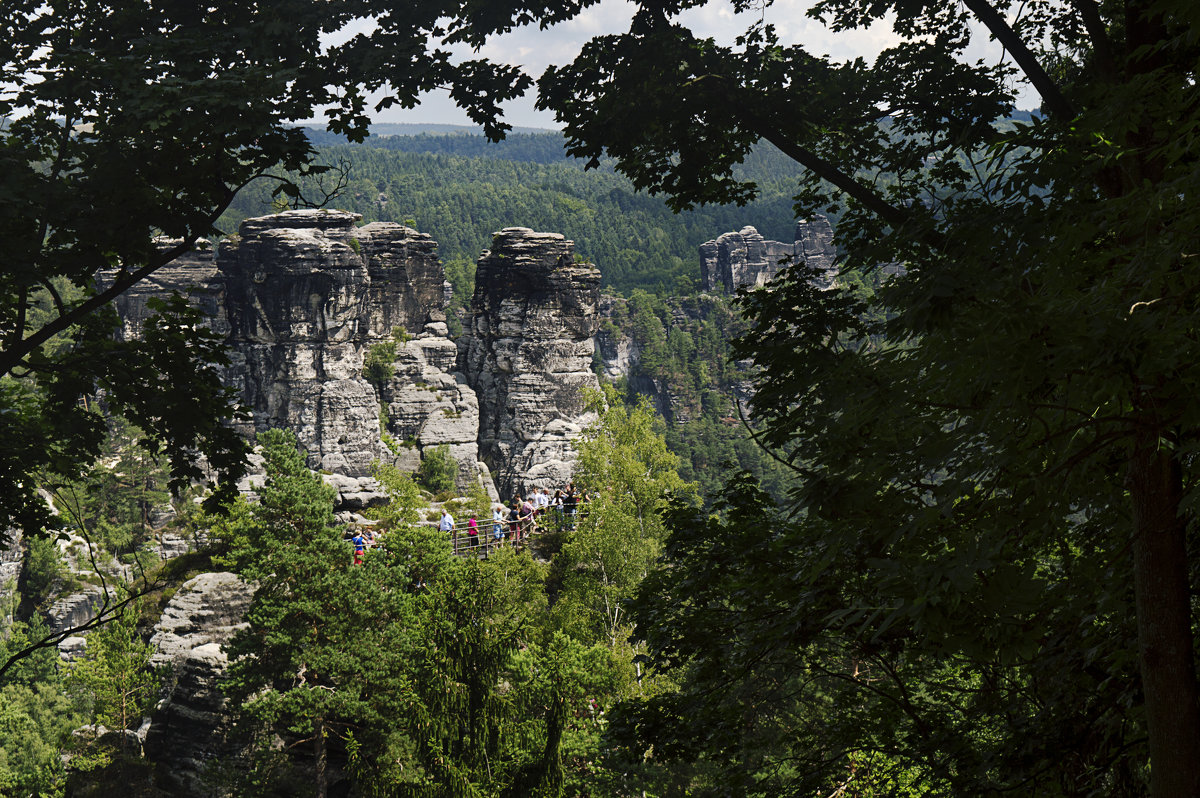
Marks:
<point>618,351</point>
<point>194,274</point>
<point>527,352</point>
<point>191,724</point>
<point>742,258</point>
<point>303,296</point>
<point>814,247</point>
<point>296,293</point>
<point>745,259</point>
<point>430,404</point>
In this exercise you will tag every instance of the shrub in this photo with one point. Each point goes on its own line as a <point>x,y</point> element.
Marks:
<point>437,470</point>
<point>379,364</point>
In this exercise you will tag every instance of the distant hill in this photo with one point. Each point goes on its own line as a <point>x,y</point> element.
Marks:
<point>542,146</point>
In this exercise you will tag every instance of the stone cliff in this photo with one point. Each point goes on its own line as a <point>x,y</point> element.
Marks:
<point>191,724</point>
<point>303,297</point>
<point>527,352</point>
<point>745,259</point>
<point>296,297</point>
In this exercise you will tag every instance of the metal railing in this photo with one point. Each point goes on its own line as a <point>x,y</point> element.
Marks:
<point>491,536</point>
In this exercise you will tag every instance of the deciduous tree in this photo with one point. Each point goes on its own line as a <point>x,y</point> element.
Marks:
<point>1005,435</point>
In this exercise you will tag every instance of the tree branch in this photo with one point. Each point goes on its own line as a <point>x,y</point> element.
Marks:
<point>1089,12</point>
<point>893,215</point>
<point>1056,102</point>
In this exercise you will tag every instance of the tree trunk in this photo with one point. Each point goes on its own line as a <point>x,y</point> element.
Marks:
<point>1164,623</point>
<point>322,787</point>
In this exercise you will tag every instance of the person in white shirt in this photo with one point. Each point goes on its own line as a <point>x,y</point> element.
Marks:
<point>447,522</point>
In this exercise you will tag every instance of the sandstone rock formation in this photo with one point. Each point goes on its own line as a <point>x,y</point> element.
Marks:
<point>190,725</point>
<point>297,302</point>
<point>527,353</point>
<point>814,247</point>
<point>194,274</point>
<point>303,297</point>
<point>745,259</point>
<point>742,258</point>
<point>308,295</point>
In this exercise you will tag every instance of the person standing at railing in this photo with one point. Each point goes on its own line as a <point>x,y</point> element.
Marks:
<point>514,521</point>
<point>472,533</point>
<point>498,524</point>
<point>527,523</point>
<point>447,525</point>
<point>569,503</point>
<point>360,547</point>
<point>556,507</point>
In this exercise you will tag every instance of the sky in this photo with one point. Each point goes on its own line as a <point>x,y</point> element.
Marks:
<point>536,49</point>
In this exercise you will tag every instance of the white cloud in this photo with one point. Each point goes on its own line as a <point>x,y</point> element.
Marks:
<point>536,49</point>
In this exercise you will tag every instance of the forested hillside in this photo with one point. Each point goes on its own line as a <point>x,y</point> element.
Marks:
<point>462,189</point>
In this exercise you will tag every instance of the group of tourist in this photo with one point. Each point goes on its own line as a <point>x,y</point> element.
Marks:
<point>521,518</point>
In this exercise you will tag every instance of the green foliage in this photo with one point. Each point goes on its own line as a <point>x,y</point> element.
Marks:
<point>379,364</point>
<point>460,273</point>
<point>115,677</point>
<point>438,469</point>
<point>629,474</point>
<point>995,447</point>
<point>404,497</point>
<point>111,503</point>
<point>40,666</point>
<point>36,720</point>
<point>686,368</point>
<point>42,570</point>
<point>323,654</point>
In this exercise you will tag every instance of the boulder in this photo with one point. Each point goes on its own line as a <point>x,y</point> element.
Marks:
<point>191,724</point>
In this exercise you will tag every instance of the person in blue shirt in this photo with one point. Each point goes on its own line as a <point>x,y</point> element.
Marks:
<point>360,547</point>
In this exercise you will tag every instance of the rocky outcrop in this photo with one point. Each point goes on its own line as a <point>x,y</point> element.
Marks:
<point>303,297</point>
<point>814,247</point>
<point>429,404</point>
<point>407,281</point>
<point>193,274</point>
<point>527,353</point>
<point>740,259</point>
<point>308,296</point>
<point>297,295</point>
<point>190,725</point>
<point>617,350</point>
<point>744,259</point>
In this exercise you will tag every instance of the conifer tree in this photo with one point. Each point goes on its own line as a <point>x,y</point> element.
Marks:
<point>319,659</point>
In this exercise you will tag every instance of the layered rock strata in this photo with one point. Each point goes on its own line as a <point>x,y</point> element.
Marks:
<point>304,297</point>
<point>301,298</point>
<point>193,274</point>
<point>191,724</point>
<point>296,292</point>
<point>527,353</point>
<point>308,295</point>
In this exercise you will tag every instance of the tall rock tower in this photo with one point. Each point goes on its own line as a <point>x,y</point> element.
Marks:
<point>296,291</point>
<point>527,353</point>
